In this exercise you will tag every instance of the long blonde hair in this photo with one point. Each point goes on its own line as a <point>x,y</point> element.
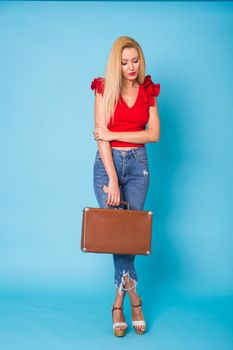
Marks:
<point>113,75</point>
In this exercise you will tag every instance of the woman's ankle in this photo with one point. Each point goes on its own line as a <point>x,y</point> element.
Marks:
<point>134,297</point>
<point>119,299</point>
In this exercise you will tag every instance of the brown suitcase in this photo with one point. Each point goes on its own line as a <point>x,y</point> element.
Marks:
<point>116,231</point>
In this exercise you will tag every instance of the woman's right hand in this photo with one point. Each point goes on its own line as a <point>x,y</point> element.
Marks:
<point>113,191</point>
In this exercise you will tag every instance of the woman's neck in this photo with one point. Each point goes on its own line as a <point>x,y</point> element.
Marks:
<point>128,84</point>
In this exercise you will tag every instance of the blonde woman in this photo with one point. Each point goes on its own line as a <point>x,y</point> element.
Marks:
<point>125,103</point>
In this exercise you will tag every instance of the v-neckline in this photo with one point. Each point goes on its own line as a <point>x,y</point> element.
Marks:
<point>135,100</point>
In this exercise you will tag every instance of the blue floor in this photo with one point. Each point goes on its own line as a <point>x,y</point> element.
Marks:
<point>54,322</point>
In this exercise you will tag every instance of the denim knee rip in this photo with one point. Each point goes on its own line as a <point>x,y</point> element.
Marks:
<point>120,282</point>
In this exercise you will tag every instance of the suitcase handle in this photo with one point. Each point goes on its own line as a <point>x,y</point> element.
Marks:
<point>124,204</point>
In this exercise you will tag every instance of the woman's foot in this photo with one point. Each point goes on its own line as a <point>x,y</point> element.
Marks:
<point>138,320</point>
<point>119,324</point>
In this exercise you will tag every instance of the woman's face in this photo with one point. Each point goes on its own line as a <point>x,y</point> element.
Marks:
<point>130,63</point>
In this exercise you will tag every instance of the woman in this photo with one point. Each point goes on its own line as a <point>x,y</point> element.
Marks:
<point>125,102</point>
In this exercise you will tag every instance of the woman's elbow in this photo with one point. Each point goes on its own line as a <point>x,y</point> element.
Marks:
<point>155,137</point>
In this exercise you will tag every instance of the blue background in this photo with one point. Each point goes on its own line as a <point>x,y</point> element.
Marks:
<point>50,53</point>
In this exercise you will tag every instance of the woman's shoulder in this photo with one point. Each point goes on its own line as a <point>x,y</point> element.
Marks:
<point>149,90</point>
<point>97,84</point>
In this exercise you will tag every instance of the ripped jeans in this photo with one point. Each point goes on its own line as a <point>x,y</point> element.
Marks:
<point>133,177</point>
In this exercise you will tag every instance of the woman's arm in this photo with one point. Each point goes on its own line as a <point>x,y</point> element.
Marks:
<point>106,154</point>
<point>152,134</point>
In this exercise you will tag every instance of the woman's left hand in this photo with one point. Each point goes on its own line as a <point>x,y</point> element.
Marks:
<point>102,133</point>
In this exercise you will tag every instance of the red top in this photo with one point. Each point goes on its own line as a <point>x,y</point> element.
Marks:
<point>132,118</point>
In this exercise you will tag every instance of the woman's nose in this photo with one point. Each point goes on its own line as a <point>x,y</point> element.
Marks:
<point>131,67</point>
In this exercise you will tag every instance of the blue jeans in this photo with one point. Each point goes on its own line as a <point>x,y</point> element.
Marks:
<point>133,177</point>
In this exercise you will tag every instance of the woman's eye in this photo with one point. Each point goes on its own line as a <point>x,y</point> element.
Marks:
<point>124,63</point>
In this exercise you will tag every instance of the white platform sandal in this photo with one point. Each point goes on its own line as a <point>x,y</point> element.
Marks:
<point>139,323</point>
<point>119,332</point>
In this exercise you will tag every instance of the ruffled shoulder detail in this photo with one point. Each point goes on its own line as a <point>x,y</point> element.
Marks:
<point>98,85</point>
<point>149,90</point>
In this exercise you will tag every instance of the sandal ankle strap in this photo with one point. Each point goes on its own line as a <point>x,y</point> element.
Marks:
<point>140,304</point>
<point>117,308</point>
